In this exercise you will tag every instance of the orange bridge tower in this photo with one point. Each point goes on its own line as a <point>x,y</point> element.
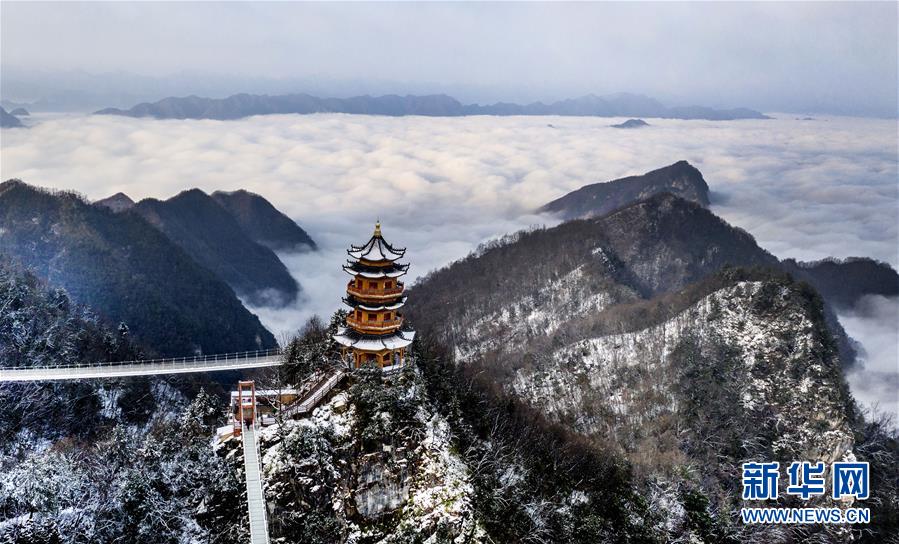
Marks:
<point>374,329</point>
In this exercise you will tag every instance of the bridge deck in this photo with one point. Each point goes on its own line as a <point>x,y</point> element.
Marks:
<point>255,497</point>
<point>180,365</point>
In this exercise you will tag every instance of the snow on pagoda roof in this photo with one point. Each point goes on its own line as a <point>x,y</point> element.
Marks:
<point>348,338</point>
<point>392,306</point>
<point>376,249</point>
<point>380,274</point>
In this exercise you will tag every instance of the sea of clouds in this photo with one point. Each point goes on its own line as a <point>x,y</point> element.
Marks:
<point>807,189</point>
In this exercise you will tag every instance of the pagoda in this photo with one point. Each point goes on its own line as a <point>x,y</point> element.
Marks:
<point>374,331</point>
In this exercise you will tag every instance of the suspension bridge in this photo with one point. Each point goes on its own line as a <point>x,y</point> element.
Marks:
<point>146,367</point>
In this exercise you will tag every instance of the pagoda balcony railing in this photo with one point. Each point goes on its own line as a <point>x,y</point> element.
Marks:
<point>375,293</point>
<point>374,326</point>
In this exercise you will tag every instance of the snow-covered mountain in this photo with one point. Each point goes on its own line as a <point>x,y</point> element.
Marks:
<point>661,334</point>
<point>600,381</point>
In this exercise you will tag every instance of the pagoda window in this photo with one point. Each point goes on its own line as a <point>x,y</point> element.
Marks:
<point>372,317</point>
<point>372,285</point>
<point>388,285</point>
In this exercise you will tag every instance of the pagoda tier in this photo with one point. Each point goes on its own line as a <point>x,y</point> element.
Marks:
<point>375,331</point>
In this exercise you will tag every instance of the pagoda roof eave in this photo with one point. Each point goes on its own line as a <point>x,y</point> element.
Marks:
<point>366,274</point>
<point>392,306</point>
<point>349,338</point>
<point>376,250</point>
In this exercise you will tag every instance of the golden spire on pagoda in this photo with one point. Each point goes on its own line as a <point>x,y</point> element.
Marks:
<point>378,228</point>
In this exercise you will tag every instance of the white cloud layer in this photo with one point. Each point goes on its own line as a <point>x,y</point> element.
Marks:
<point>875,382</point>
<point>804,189</point>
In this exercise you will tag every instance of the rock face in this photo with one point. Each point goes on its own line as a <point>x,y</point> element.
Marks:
<point>263,223</point>
<point>680,178</point>
<point>20,112</point>
<point>118,202</point>
<point>128,271</point>
<point>382,485</point>
<point>8,121</point>
<point>213,237</point>
<point>376,459</point>
<point>244,105</point>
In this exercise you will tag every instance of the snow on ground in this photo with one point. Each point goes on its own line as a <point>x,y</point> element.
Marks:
<point>623,370</point>
<point>441,493</point>
<point>542,313</point>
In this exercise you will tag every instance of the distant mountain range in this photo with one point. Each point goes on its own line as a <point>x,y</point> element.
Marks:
<point>631,123</point>
<point>245,105</point>
<point>8,120</point>
<point>680,178</point>
<point>842,282</point>
<point>127,270</point>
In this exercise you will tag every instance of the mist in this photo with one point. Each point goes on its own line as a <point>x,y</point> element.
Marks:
<point>874,322</point>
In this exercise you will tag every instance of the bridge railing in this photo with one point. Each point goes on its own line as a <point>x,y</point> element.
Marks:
<point>197,360</point>
<point>317,393</point>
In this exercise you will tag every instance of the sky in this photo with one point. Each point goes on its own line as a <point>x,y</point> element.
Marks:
<point>773,56</point>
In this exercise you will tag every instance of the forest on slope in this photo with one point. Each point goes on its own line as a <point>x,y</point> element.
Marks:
<point>101,461</point>
<point>127,271</point>
<point>636,331</point>
<point>214,238</point>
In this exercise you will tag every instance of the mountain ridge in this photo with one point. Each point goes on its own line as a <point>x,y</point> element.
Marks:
<point>663,334</point>
<point>437,105</point>
<point>640,251</point>
<point>211,235</point>
<point>118,202</point>
<point>680,178</point>
<point>127,270</point>
<point>263,222</point>
<point>8,120</point>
